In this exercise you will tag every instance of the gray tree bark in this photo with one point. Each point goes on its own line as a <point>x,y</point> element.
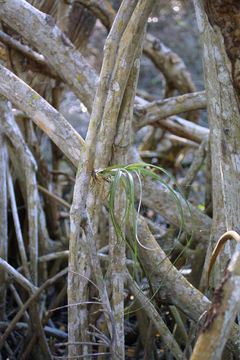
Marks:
<point>218,27</point>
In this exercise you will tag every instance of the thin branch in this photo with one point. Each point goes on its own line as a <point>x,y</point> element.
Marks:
<point>69,177</point>
<point>55,197</point>
<point>42,113</point>
<point>34,296</point>
<point>17,225</point>
<point>184,128</point>
<point>194,168</point>
<point>24,49</point>
<point>25,283</point>
<point>18,301</point>
<point>167,61</point>
<point>102,9</point>
<point>170,64</point>
<point>155,317</point>
<point>28,163</point>
<point>47,316</point>
<point>37,61</point>
<point>160,109</point>
<point>42,33</point>
<point>32,211</point>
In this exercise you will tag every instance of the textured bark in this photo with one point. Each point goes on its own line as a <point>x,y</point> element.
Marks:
<point>17,226</point>
<point>41,31</point>
<point>184,128</point>
<point>70,142</point>
<point>3,208</point>
<point>42,113</point>
<point>117,247</point>
<point>218,26</point>
<point>98,150</point>
<point>223,311</point>
<point>199,222</point>
<point>102,9</point>
<point>98,100</point>
<point>175,292</point>
<point>80,25</point>
<point>152,112</point>
<point>170,64</point>
<point>224,15</point>
<point>107,143</point>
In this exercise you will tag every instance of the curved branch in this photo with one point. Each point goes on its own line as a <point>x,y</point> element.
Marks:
<point>41,32</point>
<point>42,113</point>
<point>169,63</point>
<point>157,110</point>
<point>229,235</point>
<point>70,143</point>
<point>101,9</point>
<point>184,128</point>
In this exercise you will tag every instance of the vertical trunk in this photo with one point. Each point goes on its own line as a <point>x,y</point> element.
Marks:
<point>219,28</point>
<point>3,210</point>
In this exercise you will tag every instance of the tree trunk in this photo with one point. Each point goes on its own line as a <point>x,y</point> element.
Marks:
<point>219,29</point>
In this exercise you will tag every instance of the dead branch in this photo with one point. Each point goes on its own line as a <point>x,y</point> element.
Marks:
<point>49,122</point>
<point>3,208</point>
<point>35,294</point>
<point>64,59</point>
<point>221,315</point>
<point>160,109</point>
<point>184,128</point>
<point>24,282</point>
<point>148,307</point>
